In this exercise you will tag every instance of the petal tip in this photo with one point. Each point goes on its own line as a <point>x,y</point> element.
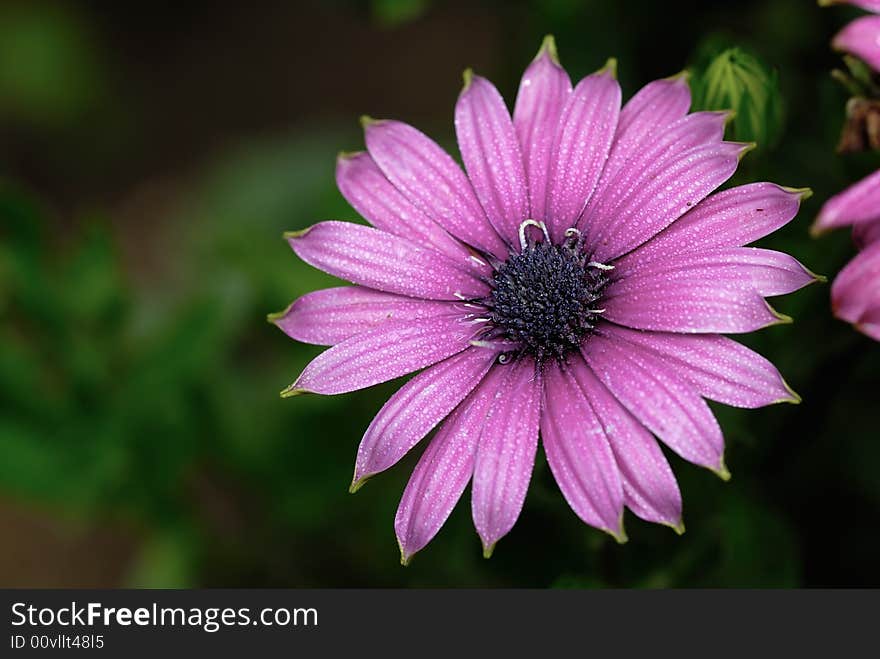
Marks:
<point>293,391</point>
<point>721,470</point>
<point>345,156</point>
<point>868,329</point>
<point>488,550</point>
<point>745,148</point>
<point>778,318</point>
<point>793,397</point>
<point>620,534</point>
<point>679,527</point>
<point>682,76</point>
<point>366,121</point>
<point>803,193</point>
<point>467,77</point>
<point>300,233</point>
<point>405,558</point>
<point>274,317</point>
<point>548,47</point>
<point>823,223</point>
<point>610,68</point>
<point>358,482</point>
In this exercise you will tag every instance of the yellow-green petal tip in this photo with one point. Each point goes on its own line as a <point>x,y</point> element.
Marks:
<point>803,193</point>
<point>548,45</point>
<point>793,397</point>
<point>357,484</point>
<point>348,155</point>
<point>746,148</point>
<point>683,76</point>
<point>299,233</point>
<point>722,471</point>
<point>467,77</point>
<point>277,315</point>
<point>293,391</point>
<point>609,68</point>
<point>620,534</point>
<point>367,121</point>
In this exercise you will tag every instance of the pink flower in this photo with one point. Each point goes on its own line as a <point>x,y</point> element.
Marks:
<point>855,294</point>
<point>860,37</point>
<point>573,284</point>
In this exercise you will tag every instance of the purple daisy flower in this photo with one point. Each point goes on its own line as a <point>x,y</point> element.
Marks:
<point>860,37</point>
<point>573,285</point>
<point>855,293</point>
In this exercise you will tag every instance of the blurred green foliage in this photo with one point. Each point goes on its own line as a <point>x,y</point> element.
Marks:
<point>49,68</point>
<point>396,12</point>
<point>139,380</point>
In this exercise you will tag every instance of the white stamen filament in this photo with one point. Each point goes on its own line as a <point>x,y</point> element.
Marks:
<point>531,223</point>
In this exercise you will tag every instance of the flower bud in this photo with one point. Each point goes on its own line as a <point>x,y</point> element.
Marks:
<point>736,80</point>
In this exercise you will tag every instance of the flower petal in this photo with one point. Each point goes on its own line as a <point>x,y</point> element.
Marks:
<point>690,300</point>
<point>432,180</point>
<point>491,154</point>
<point>870,5</point>
<point>663,401</point>
<point>861,38</point>
<point>543,91</point>
<point>699,308</point>
<point>869,324</point>
<point>621,176</point>
<point>579,455</point>
<point>649,486</point>
<point>678,185</point>
<point>765,271</point>
<point>332,315</point>
<point>658,104</point>
<point>654,108</point>
<point>416,408</point>
<point>365,187</point>
<point>719,368</point>
<point>858,204</point>
<point>730,218</point>
<point>444,469</point>
<point>580,148</point>
<point>370,257</point>
<point>506,454</point>
<point>855,292</point>
<point>866,233</point>
<point>382,354</point>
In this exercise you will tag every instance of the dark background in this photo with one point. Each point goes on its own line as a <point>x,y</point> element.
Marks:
<point>152,153</point>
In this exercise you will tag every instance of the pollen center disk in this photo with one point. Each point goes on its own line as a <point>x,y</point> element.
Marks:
<point>544,299</point>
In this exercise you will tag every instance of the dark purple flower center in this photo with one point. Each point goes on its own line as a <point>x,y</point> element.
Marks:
<point>545,299</point>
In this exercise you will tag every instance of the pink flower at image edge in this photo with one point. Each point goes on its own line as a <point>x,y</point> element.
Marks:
<point>855,293</point>
<point>860,37</point>
<point>571,285</point>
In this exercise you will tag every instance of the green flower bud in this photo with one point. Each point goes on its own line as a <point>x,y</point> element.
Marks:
<point>738,81</point>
